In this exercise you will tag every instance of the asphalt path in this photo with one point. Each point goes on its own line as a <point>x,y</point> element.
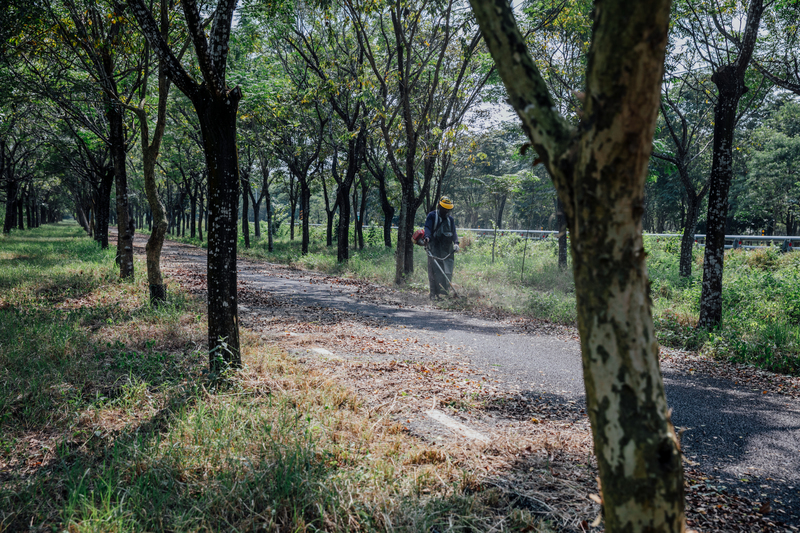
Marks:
<point>749,441</point>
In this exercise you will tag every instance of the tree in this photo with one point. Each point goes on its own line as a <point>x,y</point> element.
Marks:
<point>685,114</point>
<point>17,149</point>
<point>599,169</point>
<point>708,27</point>
<point>334,56</point>
<point>424,59</point>
<point>150,151</point>
<point>95,34</point>
<point>216,106</point>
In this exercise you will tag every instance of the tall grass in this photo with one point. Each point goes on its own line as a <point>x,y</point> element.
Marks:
<point>760,305</point>
<point>108,421</point>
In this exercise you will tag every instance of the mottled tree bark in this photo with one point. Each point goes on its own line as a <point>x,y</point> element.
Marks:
<point>599,170</point>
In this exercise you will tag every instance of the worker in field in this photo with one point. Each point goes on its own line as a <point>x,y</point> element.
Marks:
<point>441,242</point>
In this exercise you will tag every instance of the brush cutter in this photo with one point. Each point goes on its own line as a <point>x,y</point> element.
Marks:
<point>436,262</point>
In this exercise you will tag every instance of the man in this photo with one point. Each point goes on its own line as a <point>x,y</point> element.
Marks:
<point>441,240</point>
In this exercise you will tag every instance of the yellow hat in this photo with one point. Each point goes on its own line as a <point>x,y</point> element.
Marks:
<point>446,202</point>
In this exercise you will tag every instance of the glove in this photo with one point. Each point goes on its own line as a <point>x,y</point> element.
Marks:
<point>425,241</point>
<point>456,248</point>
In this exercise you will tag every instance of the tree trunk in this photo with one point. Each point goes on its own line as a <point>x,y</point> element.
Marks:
<point>20,205</point>
<point>356,221</point>
<point>730,82</point>
<point>103,208</point>
<point>388,212</point>
<point>305,202</point>
<point>268,207</point>
<point>11,213</point>
<point>730,91</point>
<point>599,171</point>
<point>201,217</point>
<point>81,215</point>
<point>403,235</point>
<point>500,208</point>
<point>329,211</point>
<point>193,211</point>
<point>155,280</point>
<point>343,228</point>
<point>292,204</point>
<point>362,212</point>
<point>689,228</point>
<point>256,217</point>
<point>28,209</point>
<point>356,147</point>
<point>561,222</point>
<point>218,123</point>
<point>245,215</point>
<point>116,128</point>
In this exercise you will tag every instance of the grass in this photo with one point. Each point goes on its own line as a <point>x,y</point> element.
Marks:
<point>761,289</point>
<point>761,305</point>
<point>108,421</point>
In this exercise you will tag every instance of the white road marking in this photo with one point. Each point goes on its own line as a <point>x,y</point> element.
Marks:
<point>456,425</point>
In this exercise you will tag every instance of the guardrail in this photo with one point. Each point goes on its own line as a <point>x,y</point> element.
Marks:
<point>786,242</point>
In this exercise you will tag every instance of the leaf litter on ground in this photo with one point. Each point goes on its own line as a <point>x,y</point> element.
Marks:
<point>541,450</point>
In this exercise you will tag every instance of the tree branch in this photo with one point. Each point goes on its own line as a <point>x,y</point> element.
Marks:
<point>549,131</point>
<point>172,65</point>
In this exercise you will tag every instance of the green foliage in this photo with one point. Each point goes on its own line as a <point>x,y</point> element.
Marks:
<point>760,323</point>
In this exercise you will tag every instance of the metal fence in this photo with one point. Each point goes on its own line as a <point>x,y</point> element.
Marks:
<point>784,242</point>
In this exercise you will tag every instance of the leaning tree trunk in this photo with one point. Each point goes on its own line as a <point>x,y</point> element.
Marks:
<point>155,280</point>
<point>81,214</point>
<point>218,124</point>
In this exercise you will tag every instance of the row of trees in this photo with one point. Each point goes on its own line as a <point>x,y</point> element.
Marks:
<point>331,99</point>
